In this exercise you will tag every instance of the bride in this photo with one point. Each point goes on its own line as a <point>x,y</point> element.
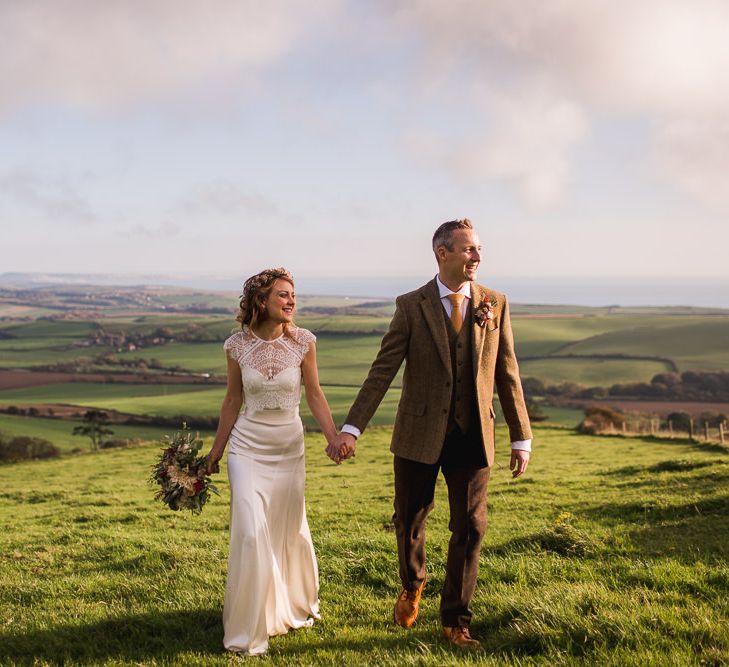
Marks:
<point>273,582</point>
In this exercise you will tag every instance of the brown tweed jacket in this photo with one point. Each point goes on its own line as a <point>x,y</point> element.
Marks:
<point>418,335</point>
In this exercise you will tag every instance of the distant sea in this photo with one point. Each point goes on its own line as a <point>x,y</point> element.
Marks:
<point>552,291</point>
<point>622,291</point>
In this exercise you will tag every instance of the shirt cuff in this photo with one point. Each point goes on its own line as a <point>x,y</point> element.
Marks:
<point>522,445</point>
<point>352,430</point>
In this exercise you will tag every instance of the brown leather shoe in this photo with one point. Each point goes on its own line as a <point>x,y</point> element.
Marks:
<point>460,637</point>
<point>408,606</point>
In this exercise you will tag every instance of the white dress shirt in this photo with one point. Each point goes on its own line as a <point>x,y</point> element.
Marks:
<point>524,445</point>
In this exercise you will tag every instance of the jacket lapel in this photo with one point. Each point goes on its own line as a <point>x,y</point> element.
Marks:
<point>479,333</point>
<point>430,304</point>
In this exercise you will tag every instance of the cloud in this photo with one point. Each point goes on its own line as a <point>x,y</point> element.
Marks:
<point>55,199</point>
<point>166,231</point>
<point>655,55</point>
<point>532,147</point>
<point>106,55</point>
<point>661,61</point>
<point>695,155</point>
<point>527,145</point>
<point>224,201</point>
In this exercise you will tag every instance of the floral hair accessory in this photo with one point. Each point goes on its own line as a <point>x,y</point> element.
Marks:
<point>485,311</point>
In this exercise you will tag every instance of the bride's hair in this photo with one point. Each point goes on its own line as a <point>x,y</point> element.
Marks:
<point>255,292</point>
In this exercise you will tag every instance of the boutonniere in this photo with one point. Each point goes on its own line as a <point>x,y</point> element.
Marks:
<point>485,311</point>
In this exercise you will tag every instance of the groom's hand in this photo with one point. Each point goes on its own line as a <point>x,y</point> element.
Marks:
<point>347,445</point>
<point>519,462</point>
<point>342,447</point>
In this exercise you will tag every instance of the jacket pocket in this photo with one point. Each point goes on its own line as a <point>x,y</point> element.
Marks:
<point>417,409</point>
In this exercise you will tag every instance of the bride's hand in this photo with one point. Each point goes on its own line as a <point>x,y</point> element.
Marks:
<point>332,449</point>
<point>212,460</point>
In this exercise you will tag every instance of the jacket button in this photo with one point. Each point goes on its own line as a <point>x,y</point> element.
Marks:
<point>448,384</point>
<point>460,344</point>
<point>445,411</point>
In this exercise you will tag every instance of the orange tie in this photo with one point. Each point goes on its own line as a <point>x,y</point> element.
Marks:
<point>456,317</point>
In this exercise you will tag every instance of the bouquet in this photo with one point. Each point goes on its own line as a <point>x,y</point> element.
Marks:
<point>182,473</point>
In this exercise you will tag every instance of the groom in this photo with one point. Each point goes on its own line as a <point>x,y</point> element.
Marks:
<point>455,338</point>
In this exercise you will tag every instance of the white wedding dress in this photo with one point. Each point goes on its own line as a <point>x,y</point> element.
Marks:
<point>273,581</point>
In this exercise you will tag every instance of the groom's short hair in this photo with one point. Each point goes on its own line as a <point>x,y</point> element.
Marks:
<point>444,234</point>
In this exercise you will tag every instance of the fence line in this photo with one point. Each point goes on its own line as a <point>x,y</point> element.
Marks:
<point>657,429</point>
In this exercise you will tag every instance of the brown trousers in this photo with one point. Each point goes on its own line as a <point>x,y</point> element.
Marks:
<point>466,475</point>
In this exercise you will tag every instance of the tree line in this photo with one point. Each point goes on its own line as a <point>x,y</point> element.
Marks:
<point>702,386</point>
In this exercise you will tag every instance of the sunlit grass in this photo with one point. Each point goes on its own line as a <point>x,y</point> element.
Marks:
<point>610,551</point>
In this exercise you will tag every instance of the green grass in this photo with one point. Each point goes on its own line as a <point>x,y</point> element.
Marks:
<point>347,359</point>
<point>51,329</point>
<point>60,431</point>
<point>339,324</point>
<point>558,416</point>
<point>172,400</point>
<point>696,343</point>
<point>611,551</point>
<point>199,357</point>
<point>342,359</point>
<point>89,393</point>
<point>32,358</point>
<point>593,372</point>
<point>546,335</point>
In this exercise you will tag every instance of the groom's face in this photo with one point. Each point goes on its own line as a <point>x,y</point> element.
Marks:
<point>461,263</point>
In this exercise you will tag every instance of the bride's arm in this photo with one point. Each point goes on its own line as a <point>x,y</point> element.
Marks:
<point>228,414</point>
<point>315,396</point>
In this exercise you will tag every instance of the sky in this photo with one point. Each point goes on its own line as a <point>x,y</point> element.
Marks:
<point>584,139</point>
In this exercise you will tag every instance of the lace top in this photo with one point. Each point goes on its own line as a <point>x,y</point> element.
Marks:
<point>271,369</point>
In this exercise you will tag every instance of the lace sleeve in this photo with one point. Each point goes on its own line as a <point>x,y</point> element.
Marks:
<point>305,338</point>
<point>233,346</point>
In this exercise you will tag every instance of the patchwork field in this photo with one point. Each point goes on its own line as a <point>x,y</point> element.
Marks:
<point>696,344</point>
<point>587,346</point>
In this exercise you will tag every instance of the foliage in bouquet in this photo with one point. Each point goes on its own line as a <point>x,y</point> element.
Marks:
<point>181,473</point>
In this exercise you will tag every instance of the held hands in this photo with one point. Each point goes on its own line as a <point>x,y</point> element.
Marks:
<point>341,447</point>
<point>519,462</point>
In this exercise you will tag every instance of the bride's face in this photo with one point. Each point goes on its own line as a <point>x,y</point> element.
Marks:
<point>281,302</point>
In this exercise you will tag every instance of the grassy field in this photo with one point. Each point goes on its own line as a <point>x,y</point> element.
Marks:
<point>697,343</point>
<point>346,348</point>
<point>88,393</point>
<point>348,343</point>
<point>60,432</point>
<point>173,400</point>
<point>546,335</point>
<point>593,372</point>
<point>343,359</point>
<point>51,353</point>
<point>611,551</point>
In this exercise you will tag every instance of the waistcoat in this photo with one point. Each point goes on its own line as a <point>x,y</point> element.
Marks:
<point>463,393</point>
